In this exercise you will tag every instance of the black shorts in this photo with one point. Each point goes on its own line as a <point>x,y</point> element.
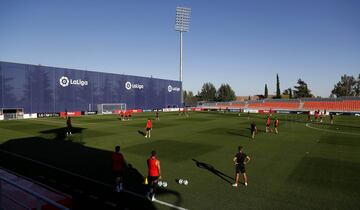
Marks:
<point>267,125</point>
<point>148,129</point>
<point>152,180</point>
<point>240,168</point>
<point>118,173</point>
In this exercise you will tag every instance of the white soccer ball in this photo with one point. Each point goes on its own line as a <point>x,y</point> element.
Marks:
<point>160,183</point>
<point>181,181</point>
<point>164,184</point>
<point>186,182</point>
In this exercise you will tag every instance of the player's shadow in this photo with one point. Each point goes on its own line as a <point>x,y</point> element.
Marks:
<point>213,170</point>
<point>141,132</point>
<point>60,133</point>
<point>238,133</point>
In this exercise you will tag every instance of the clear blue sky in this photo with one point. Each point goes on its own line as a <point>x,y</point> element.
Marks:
<point>240,42</point>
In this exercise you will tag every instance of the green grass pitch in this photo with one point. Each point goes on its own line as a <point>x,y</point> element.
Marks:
<point>305,166</point>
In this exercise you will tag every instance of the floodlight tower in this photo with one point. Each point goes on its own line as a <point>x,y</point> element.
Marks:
<point>182,24</point>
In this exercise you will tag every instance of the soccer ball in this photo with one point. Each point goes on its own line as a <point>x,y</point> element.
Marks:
<point>160,183</point>
<point>181,181</point>
<point>164,184</point>
<point>186,182</point>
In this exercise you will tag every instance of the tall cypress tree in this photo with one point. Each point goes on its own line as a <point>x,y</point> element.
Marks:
<point>266,93</point>
<point>278,95</point>
<point>290,93</point>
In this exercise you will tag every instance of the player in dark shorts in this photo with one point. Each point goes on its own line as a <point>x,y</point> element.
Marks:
<point>148,128</point>
<point>276,125</point>
<point>118,164</point>
<point>154,174</point>
<point>240,160</point>
<point>321,117</point>
<point>309,116</point>
<point>331,118</point>
<point>268,122</point>
<point>68,126</point>
<point>157,115</point>
<point>253,130</point>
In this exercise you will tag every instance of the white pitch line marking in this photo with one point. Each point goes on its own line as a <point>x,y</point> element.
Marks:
<point>110,203</point>
<point>89,179</point>
<point>331,131</point>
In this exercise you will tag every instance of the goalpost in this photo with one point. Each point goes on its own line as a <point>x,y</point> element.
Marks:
<point>113,108</point>
<point>12,113</point>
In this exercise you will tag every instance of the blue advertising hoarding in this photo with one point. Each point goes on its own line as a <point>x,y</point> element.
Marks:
<point>50,89</point>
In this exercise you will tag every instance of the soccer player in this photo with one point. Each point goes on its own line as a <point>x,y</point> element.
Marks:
<point>331,118</point>
<point>154,174</point>
<point>240,160</point>
<point>276,125</point>
<point>253,130</point>
<point>321,117</point>
<point>268,122</point>
<point>316,115</point>
<point>148,128</point>
<point>122,115</point>
<point>309,116</point>
<point>157,115</point>
<point>118,164</point>
<point>68,126</point>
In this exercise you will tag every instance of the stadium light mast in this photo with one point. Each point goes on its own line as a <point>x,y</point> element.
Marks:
<point>182,24</point>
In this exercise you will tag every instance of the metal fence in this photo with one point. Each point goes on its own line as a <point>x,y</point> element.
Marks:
<point>19,204</point>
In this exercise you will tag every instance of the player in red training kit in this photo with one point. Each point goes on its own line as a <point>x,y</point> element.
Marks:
<point>316,115</point>
<point>276,125</point>
<point>148,128</point>
<point>118,167</point>
<point>154,174</point>
<point>268,122</point>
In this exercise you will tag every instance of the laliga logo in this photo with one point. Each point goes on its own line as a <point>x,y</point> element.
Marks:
<point>65,81</point>
<point>171,89</point>
<point>130,86</point>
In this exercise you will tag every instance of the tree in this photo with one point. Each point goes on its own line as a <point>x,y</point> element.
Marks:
<point>288,92</point>
<point>208,92</point>
<point>357,86</point>
<point>266,92</point>
<point>345,87</point>
<point>302,90</point>
<point>278,94</point>
<point>225,93</point>
<point>190,99</point>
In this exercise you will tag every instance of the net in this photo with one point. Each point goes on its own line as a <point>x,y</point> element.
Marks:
<point>113,108</point>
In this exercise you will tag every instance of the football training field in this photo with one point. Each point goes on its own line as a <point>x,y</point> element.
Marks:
<point>305,166</point>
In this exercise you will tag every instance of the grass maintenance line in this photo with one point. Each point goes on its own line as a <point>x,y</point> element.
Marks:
<point>331,131</point>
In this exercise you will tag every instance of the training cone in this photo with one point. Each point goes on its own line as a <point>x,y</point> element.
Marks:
<point>146,181</point>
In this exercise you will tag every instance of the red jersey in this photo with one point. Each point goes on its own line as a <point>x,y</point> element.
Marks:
<point>316,114</point>
<point>149,124</point>
<point>153,169</point>
<point>117,161</point>
<point>276,123</point>
<point>268,121</point>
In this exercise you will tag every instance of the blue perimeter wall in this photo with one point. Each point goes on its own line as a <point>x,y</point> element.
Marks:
<point>42,89</point>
